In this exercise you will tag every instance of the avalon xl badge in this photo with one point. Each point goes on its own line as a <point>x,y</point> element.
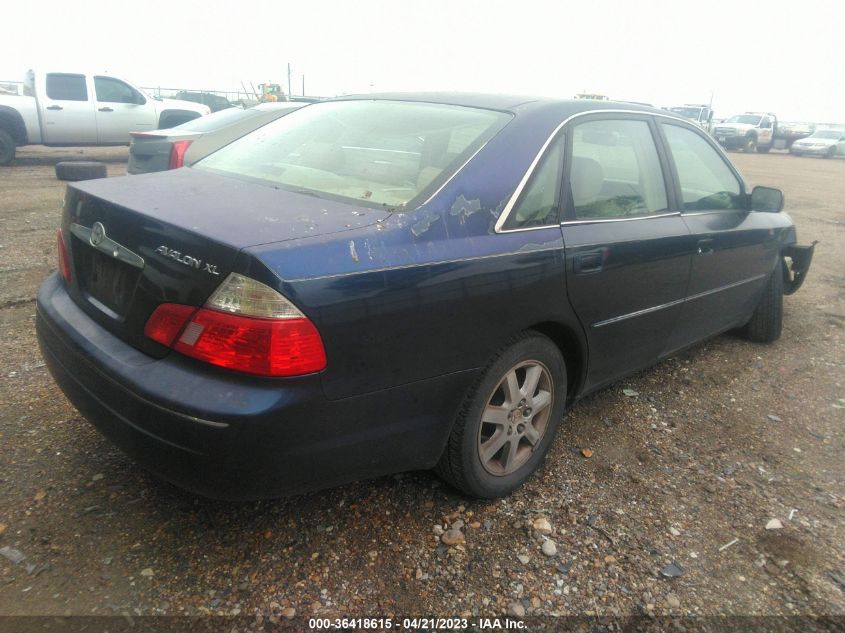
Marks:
<point>188,260</point>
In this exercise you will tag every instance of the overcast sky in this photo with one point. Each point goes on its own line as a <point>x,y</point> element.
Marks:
<point>787,57</point>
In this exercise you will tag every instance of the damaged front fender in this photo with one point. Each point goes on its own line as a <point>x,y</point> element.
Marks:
<point>796,264</point>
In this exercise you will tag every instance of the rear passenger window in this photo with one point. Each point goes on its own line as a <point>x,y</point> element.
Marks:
<point>62,87</point>
<point>615,171</point>
<point>707,183</point>
<point>538,204</point>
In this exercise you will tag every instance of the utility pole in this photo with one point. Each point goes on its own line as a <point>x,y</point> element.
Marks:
<point>289,92</point>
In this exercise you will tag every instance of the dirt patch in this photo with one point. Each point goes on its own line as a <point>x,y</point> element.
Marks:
<point>791,548</point>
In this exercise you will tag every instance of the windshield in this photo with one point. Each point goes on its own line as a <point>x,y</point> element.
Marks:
<point>690,113</point>
<point>370,152</point>
<point>751,119</point>
<point>832,134</point>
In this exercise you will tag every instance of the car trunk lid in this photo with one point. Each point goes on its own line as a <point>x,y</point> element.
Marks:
<point>140,241</point>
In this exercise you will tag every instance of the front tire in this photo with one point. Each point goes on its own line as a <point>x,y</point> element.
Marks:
<point>750,145</point>
<point>831,152</point>
<point>766,323</point>
<point>764,150</point>
<point>508,419</point>
<point>7,148</point>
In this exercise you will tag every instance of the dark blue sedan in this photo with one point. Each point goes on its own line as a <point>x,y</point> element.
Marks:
<point>379,284</point>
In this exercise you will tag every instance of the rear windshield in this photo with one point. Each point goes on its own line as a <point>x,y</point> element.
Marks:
<point>215,121</point>
<point>371,152</point>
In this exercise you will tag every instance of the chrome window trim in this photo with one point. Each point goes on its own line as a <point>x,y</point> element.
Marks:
<point>454,174</point>
<point>528,228</point>
<point>503,217</point>
<point>637,217</point>
<point>712,211</point>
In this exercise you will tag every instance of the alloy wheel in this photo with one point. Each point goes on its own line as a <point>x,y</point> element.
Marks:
<point>515,418</point>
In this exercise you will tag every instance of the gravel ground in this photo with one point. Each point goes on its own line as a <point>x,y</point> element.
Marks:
<point>684,474</point>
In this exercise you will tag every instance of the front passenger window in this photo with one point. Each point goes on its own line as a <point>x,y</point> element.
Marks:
<point>707,183</point>
<point>615,171</point>
<point>114,91</point>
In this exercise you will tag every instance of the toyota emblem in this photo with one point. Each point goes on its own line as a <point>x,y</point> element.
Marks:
<point>98,233</point>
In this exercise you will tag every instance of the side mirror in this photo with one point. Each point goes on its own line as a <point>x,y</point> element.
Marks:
<point>767,199</point>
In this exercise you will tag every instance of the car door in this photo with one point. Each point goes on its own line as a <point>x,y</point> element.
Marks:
<point>627,249</point>
<point>121,109</point>
<point>67,110</point>
<point>764,134</point>
<point>733,247</point>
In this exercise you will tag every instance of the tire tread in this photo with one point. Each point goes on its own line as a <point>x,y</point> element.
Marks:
<point>766,323</point>
<point>451,467</point>
<point>80,170</point>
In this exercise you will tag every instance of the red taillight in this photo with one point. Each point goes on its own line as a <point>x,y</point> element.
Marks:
<point>177,154</point>
<point>64,261</point>
<point>267,347</point>
<point>167,322</point>
<point>246,326</point>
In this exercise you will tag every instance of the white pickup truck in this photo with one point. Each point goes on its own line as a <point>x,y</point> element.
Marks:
<point>74,109</point>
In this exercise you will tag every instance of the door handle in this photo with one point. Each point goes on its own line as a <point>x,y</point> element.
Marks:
<point>55,107</point>
<point>106,109</point>
<point>705,247</point>
<point>584,263</point>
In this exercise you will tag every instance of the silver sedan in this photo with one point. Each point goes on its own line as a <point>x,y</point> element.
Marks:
<point>185,144</point>
<point>827,143</point>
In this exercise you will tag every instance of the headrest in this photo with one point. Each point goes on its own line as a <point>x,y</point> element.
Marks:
<point>587,179</point>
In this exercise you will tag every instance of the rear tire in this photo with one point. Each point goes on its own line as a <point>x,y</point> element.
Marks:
<point>766,323</point>
<point>7,148</point>
<point>764,150</point>
<point>750,144</point>
<point>513,412</point>
<point>80,170</point>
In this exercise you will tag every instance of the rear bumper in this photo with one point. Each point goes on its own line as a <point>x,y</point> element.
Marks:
<point>231,436</point>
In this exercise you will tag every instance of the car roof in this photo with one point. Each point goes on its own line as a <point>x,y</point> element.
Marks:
<point>269,106</point>
<point>506,102</point>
